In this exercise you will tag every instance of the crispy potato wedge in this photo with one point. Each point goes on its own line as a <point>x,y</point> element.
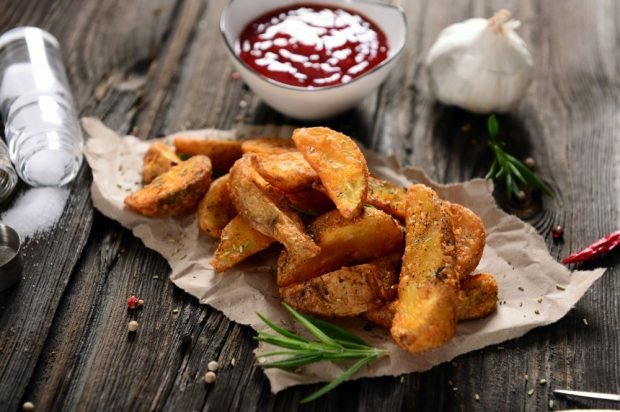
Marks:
<point>428,288</point>
<point>158,160</point>
<point>239,240</point>
<point>216,208</point>
<point>342,242</point>
<point>268,145</point>
<point>347,291</point>
<point>477,299</point>
<point>469,238</point>
<point>343,292</point>
<point>267,211</point>
<point>387,196</point>
<point>223,153</point>
<point>175,192</point>
<point>289,171</point>
<point>340,165</point>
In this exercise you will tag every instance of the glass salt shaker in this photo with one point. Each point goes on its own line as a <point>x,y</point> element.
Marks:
<point>41,126</point>
<point>8,177</point>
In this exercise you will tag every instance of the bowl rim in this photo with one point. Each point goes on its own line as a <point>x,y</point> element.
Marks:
<point>276,83</point>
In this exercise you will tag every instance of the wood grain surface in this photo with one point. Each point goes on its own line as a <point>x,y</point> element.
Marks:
<point>158,66</point>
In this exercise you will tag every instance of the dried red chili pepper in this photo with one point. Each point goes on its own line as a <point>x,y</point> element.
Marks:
<point>596,249</point>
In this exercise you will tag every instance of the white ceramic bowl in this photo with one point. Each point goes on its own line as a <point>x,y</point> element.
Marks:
<point>319,103</point>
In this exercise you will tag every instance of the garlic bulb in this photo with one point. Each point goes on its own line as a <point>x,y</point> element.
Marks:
<point>480,65</point>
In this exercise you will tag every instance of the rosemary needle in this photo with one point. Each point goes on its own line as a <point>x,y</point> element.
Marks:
<point>331,343</point>
<point>508,168</point>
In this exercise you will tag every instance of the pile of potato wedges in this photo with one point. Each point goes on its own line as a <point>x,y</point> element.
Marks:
<point>353,244</point>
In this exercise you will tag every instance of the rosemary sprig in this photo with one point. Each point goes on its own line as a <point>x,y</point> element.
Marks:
<point>508,168</point>
<point>332,343</point>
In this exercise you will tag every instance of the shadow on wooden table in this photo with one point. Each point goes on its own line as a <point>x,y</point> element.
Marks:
<point>353,122</point>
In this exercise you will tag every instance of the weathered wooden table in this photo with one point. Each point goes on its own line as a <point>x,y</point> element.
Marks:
<point>158,66</point>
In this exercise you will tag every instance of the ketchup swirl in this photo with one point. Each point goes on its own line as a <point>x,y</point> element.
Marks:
<point>312,45</point>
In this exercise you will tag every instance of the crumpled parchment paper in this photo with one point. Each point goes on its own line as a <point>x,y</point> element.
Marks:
<point>528,276</point>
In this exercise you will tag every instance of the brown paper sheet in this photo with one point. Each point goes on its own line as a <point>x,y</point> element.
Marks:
<point>528,276</point>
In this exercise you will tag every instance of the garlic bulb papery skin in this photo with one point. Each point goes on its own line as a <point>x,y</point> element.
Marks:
<point>480,65</point>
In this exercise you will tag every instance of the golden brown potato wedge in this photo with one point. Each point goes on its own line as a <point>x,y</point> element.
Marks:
<point>175,192</point>
<point>268,145</point>
<point>157,160</point>
<point>239,240</point>
<point>477,299</point>
<point>216,208</point>
<point>469,238</point>
<point>289,172</point>
<point>387,196</point>
<point>267,211</point>
<point>428,288</point>
<point>223,153</point>
<point>340,165</point>
<point>344,292</point>
<point>347,291</point>
<point>342,242</point>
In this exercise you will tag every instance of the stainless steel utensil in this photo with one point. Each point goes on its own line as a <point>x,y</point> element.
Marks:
<point>592,395</point>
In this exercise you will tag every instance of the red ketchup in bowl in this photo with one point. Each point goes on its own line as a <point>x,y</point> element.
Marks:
<point>312,45</point>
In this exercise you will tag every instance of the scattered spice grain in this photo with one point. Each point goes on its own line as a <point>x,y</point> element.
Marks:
<point>210,377</point>
<point>133,326</point>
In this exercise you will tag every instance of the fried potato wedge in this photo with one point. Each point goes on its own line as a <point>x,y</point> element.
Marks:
<point>223,153</point>
<point>216,208</point>
<point>267,211</point>
<point>342,242</point>
<point>175,192</point>
<point>343,292</point>
<point>238,241</point>
<point>340,164</point>
<point>387,196</point>
<point>469,238</point>
<point>477,299</point>
<point>158,160</point>
<point>428,288</point>
<point>348,291</point>
<point>268,145</point>
<point>289,171</point>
